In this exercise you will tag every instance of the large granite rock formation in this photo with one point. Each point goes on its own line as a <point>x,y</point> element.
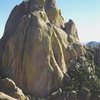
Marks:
<point>36,49</point>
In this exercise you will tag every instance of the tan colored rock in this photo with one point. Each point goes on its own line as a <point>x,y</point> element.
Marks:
<point>72,50</point>
<point>70,54</point>
<point>36,55</point>
<point>54,14</point>
<point>52,2</point>
<point>40,3</point>
<point>14,19</point>
<point>6,97</point>
<point>71,30</point>
<point>36,51</point>
<point>18,94</point>
<point>79,49</point>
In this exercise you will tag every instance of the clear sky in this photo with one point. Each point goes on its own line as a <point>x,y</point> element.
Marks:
<point>85,14</point>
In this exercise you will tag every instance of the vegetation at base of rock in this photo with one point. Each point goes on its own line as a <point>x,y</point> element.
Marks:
<point>85,76</point>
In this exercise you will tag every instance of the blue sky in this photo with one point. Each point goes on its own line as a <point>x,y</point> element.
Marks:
<point>85,14</point>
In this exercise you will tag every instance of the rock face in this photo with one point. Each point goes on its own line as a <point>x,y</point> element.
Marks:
<point>35,50</point>
<point>71,30</point>
<point>53,13</point>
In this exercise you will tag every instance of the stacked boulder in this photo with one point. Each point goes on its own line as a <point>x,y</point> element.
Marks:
<point>9,90</point>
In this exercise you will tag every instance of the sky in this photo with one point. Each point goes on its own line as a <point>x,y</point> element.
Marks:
<point>85,14</point>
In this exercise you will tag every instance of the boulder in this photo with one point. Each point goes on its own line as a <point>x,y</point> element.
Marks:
<point>79,49</point>
<point>71,30</point>
<point>6,97</point>
<point>33,47</point>
<point>53,13</point>
<point>8,87</point>
<point>70,54</point>
<point>18,94</point>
